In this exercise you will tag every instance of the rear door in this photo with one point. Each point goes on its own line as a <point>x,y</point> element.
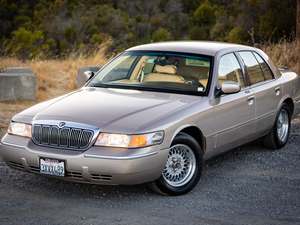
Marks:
<point>266,89</point>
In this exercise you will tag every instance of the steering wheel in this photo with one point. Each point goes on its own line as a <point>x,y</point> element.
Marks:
<point>195,83</point>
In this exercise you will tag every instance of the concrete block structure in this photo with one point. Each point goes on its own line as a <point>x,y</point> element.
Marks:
<point>17,83</point>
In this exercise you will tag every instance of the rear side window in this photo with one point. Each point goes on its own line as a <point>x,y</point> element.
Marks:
<point>264,66</point>
<point>230,70</point>
<point>255,73</point>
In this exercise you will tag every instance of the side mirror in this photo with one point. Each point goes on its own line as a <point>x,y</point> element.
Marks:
<point>85,73</point>
<point>88,74</point>
<point>228,87</point>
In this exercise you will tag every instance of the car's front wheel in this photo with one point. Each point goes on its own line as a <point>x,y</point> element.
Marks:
<point>183,167</point>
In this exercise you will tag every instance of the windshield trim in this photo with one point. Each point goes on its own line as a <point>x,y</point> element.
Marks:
<point>165,90</point>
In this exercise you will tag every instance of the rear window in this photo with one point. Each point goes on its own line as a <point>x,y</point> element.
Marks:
<point>253,68</point>
<point>264,66</point>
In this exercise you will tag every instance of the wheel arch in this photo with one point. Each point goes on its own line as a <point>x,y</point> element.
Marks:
<point>290,103</point>
<point>195,132</point>
<point>287,99</point>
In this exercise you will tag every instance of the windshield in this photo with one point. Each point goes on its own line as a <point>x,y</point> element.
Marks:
<point>156,71</point>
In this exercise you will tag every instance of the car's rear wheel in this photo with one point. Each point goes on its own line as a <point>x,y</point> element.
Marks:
<point>280,132</point>
<point>183,167</point>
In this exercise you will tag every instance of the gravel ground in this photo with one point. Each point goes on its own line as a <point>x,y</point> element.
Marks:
<point>251,185</point>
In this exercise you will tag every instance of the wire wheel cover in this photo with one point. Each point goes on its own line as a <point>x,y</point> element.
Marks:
<point>180,166</point>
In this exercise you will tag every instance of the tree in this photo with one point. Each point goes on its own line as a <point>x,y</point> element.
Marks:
<point>204,19</point>
<point>26,44</point>
<point>298,32</point>
<point>298,21</point>
<point>236,35</point>
<point>31,29</point>
<point>205,14</point>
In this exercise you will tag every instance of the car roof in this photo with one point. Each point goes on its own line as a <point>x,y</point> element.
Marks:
<point>196,47</point>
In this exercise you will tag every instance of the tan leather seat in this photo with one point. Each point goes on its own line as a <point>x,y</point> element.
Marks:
<point>203,82</point>
<point>164,73</point>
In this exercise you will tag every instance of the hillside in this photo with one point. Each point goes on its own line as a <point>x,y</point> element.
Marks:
<point>57,77</point>
<point>57,29</point>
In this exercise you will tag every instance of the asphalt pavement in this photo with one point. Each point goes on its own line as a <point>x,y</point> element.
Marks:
<point>250,185</point>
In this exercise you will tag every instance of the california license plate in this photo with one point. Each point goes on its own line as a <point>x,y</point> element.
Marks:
<point>52,167</point>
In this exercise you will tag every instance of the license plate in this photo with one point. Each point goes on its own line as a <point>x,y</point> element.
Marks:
<point>52,167</point>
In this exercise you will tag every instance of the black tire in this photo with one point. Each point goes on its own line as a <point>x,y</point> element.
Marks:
<point>271,140</point>
<point>161,186</point>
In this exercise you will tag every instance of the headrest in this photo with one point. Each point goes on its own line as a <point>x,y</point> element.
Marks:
<point>169,69</point>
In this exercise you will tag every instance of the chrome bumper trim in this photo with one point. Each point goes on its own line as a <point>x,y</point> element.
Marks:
<point>120,157</point>
<point>96,156</point>
<point>10,144</point>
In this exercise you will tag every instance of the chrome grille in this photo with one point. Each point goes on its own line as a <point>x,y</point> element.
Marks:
<point>65,137</point>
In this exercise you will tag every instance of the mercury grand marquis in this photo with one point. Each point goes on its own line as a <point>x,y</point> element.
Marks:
<point>154,114</point>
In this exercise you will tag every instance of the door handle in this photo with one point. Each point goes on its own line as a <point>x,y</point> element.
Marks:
<point>247,91</point>
<point>277,91</point>
<point>251,100</point>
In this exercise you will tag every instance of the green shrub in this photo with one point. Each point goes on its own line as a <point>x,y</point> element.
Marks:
<point>204,15</point>
<point>161,35</point>
<point>70,34</point>
<point>199,33</point>
<point>96,39</point>
<point>204,19</point>
<point>236,35</point>
<point>26,44</point>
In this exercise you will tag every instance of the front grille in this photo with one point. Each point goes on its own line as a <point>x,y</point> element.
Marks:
<point>94,177</point>
<point>65,137</point>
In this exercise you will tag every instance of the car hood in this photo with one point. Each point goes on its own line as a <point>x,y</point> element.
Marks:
<point>112,110</point>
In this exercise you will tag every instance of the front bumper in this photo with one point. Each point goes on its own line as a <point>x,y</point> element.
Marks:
<point>98,165</point>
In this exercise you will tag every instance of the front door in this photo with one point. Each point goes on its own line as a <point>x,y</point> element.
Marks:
<point>234,112</point>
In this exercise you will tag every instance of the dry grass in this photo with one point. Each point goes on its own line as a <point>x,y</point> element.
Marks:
<point>57,77</point>
<point>54,78</point>
<point>284,54</point>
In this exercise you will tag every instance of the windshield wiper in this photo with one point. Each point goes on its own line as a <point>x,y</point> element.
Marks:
<point>98,85</point>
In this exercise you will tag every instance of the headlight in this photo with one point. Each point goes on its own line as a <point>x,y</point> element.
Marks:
<point>129,141</point>
<point>21,129</point>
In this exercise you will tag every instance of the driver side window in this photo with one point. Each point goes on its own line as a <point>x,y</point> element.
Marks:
<point>230,70</point>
